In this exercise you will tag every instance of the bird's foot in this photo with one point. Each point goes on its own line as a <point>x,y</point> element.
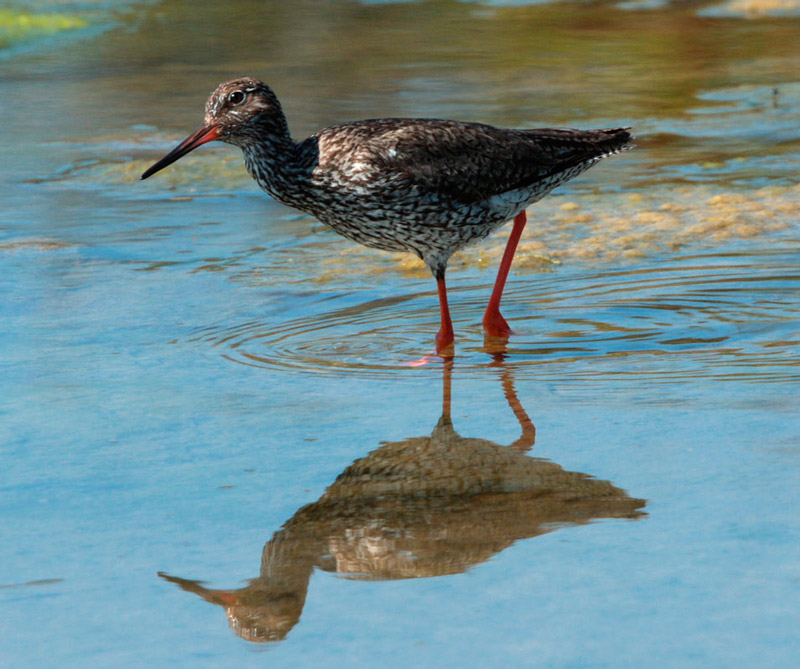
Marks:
<point>445,348</point>
<point>496,326</point>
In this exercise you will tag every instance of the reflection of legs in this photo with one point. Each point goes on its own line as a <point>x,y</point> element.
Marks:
<point>444,338</point>
<point>493,322</point>
<point>447,384</point>
<point>528,436</point>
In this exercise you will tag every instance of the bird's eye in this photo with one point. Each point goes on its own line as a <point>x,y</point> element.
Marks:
<point>236,98</point>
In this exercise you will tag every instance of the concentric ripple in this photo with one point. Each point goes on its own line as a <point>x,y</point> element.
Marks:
<point>698,317</point>
<point>372,338</point>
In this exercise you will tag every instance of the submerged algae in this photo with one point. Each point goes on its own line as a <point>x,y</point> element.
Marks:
<point>17,26</point>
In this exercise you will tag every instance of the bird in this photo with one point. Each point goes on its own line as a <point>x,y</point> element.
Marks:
<point>422,185</point>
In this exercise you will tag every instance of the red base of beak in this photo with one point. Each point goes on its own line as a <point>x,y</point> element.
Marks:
<point>208,133</point>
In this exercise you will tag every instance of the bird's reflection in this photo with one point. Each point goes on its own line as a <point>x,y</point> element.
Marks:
<point>426,506</point>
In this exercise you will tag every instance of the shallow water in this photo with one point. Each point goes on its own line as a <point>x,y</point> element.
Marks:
<point>213,444</point>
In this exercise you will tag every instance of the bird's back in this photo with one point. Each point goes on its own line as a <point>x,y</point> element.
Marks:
<point>466,163</point>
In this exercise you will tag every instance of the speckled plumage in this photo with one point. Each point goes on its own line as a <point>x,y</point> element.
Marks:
<point>427,186</point>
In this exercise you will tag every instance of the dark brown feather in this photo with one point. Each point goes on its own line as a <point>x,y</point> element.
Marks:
<point>469,162</point>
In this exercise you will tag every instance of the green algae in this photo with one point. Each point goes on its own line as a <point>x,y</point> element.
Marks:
<point>18,26</point>
<point>192,176</point>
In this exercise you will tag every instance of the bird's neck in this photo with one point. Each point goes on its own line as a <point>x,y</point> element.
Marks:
<point>273,160</point>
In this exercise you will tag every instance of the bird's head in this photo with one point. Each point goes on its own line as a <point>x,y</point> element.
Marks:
<point>237,112</point>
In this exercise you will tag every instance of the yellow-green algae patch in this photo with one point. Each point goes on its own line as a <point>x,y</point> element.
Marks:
<point>192,174</point>
<point>17,26</point>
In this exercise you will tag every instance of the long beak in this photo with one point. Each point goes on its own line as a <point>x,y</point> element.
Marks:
<point>206,134</point>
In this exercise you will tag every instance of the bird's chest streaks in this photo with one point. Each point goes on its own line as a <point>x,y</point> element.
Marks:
<point>388,209</point>
<point>385,214</point>
<point>420,224</point>
<point>285,181</point>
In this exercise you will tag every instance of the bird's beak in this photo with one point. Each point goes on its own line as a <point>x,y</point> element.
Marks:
<point>207,133</point>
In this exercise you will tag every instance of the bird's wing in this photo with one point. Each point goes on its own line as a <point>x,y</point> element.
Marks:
<point>467,162</point>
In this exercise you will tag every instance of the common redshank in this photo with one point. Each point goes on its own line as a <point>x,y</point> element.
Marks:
<point>428,186</point>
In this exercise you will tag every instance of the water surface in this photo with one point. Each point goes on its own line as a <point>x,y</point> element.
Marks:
<point>214,447</point>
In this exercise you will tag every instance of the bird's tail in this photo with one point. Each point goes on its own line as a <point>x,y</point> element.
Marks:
<point>581,149</point>
<point>614,140</point>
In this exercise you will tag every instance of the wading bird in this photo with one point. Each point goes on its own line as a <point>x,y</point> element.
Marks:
<point>428,186</point>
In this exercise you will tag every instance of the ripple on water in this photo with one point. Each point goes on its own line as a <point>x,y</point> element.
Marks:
<point>373,338</point>
<point>701,317</point>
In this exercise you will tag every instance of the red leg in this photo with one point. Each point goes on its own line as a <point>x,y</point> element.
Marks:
<point>493,321</point>
<point>444,338</point>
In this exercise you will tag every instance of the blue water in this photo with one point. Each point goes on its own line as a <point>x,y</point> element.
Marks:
<point>187,367</point>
